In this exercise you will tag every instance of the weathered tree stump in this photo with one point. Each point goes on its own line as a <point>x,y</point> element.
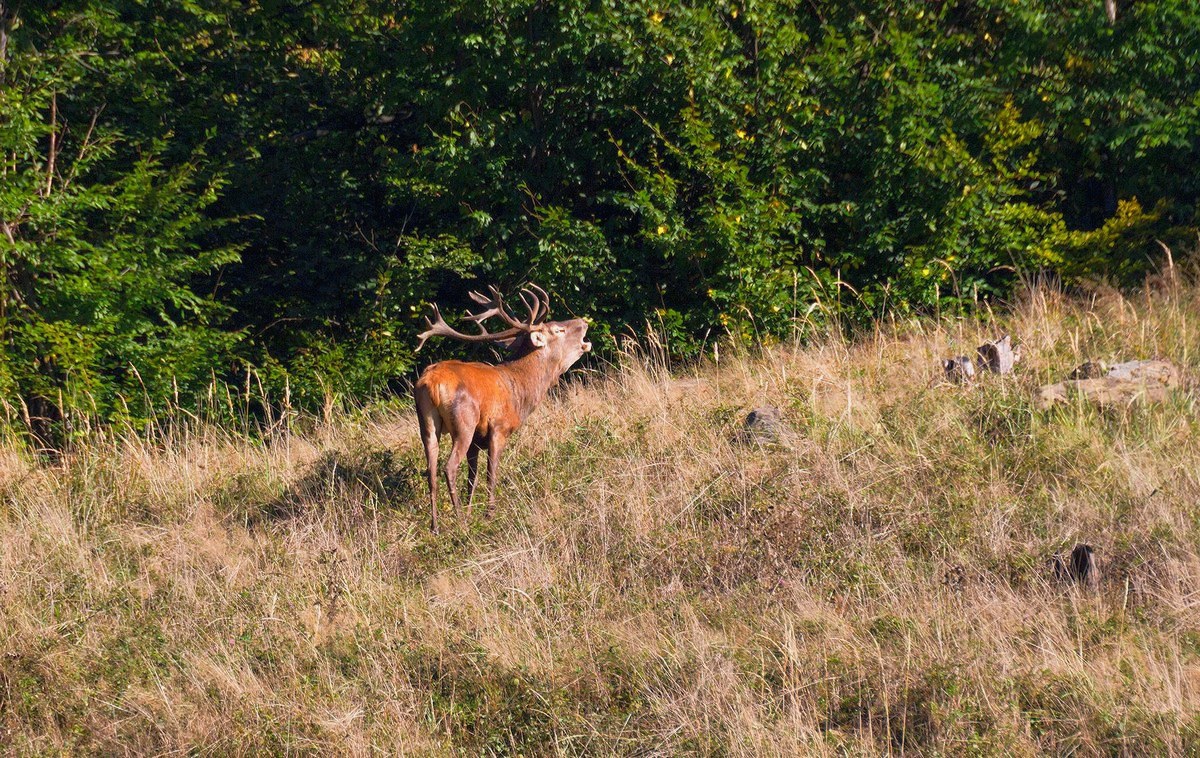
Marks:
<point>998,356</point>
<point>1080,566</point>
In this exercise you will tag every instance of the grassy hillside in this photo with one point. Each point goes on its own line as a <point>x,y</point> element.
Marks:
<point>652,585</point>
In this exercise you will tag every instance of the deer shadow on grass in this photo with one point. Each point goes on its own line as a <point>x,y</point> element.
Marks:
<point>345,488</point>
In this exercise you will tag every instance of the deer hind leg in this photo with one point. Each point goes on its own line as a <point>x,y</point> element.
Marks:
<point>462,444</point>
<point>473,471</point>
<point>431,428</point>
<point>496,444</point>
<point>461,418</point>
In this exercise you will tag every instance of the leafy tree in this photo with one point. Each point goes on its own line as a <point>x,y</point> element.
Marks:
<point>732,168</point>
<point>101,239</point>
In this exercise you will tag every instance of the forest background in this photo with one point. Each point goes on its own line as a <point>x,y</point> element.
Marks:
<point>204,193</point>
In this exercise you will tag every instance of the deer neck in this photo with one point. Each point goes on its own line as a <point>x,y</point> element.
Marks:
<point>531,377</point>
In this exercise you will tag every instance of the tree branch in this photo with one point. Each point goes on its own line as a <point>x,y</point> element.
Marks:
<point>87,138</point>
<point>53,155</point>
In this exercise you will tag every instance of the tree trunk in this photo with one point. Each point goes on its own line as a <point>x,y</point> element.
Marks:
<point>6,18</point>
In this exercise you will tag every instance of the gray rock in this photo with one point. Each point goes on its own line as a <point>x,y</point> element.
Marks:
<point>1163,372</point>
<point>765,424</point>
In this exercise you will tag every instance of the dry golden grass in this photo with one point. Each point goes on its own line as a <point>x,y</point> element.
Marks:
<point>652,585</point>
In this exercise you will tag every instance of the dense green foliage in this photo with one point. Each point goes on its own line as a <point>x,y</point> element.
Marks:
<point>284,186</point>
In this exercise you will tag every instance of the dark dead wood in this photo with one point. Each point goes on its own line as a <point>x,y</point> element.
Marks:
<point>959,369</point>
<point>1079,567</point>
<point>1090,370</point>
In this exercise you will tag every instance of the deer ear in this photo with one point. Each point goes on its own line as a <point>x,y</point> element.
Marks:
<point>538,338</point>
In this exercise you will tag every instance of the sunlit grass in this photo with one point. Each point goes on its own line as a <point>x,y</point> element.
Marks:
<point>652,584</point>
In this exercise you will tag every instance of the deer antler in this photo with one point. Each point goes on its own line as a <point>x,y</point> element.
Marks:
<point>538,307</point>
<point>440,328</point>
<point>535,299</point>
<point>495,307</point>
<point>541,301</point>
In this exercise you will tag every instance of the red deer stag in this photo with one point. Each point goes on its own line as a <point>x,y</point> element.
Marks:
<point>480,405</point>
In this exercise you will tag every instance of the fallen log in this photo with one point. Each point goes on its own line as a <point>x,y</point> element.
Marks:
<point>1125,384</point>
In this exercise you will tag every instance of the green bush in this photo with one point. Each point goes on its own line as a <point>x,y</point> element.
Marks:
<point>731,170</point>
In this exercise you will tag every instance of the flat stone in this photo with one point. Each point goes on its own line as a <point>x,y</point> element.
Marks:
<point>1149,381</point>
